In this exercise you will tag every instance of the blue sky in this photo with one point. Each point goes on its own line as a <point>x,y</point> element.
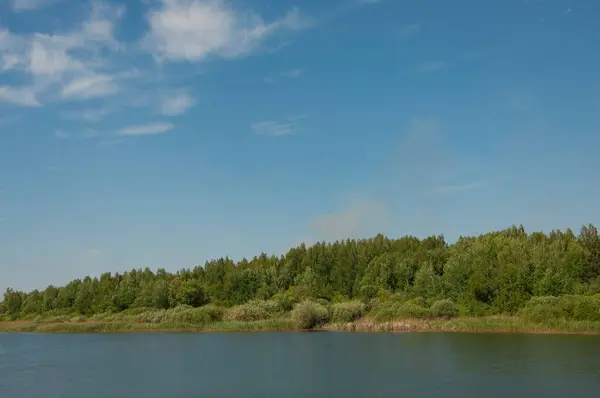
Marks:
<point>163,133</point>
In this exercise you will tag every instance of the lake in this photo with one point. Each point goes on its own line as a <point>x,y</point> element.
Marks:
<point>179,365</point>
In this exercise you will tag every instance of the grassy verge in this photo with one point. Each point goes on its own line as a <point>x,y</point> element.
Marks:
<point>115,326</point>
<point>492,324</point>
<point>461,324</point>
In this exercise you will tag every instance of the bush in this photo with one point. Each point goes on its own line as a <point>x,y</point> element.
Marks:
<point>246,312</point>
<point>285,300</point>
<point>468,306</point>
<point>570,307</point>
<point>103,316</point>
<point>309,314</point>
<point>393,310</point>
<point>153,316</point>
<point>444,308</point>
<point>347,312</point>
<point>57,319</point>
<point>195,316</point>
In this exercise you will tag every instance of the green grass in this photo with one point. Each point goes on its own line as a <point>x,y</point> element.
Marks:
<point>566,314</point>
<point>461,324</point>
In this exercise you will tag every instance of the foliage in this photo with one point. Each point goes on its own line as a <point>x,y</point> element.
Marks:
<point>504,272</point>
<point>444,308</point>
<point>347,312</point>
<point>391,310</point>
<point>309,314</point>
<point>569,307</point>
<point>254,310</point>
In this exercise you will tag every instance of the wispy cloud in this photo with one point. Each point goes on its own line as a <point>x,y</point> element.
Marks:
<point>29,5</point>
<point>358,220</point>
<point>433,66</point>
<point>276,128</point>
<point>109,143</point>
<point>91,86</point>
<point>193,30</point>
<point>87,115</point>
<point>272,128</point>
<point>86,133</point>
<point>74,64</point>
<point>176,103</point>
<point>147,129</point>
<point>454,188</point>
<point>23,96</point>
<point>95,252</point>
<point>61,135</point>
<point>293,73</point>
<point>409,31</point>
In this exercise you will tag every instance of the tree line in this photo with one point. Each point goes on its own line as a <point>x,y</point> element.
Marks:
<point>494,273</point>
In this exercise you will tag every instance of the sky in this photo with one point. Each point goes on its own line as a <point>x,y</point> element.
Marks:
<point>164,133</point>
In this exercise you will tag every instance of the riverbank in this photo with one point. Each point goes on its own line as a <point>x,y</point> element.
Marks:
<point>462,324</point>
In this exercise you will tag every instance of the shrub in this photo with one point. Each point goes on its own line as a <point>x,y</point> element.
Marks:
<point>469,306</point>
<point>57,319</point>
<point>246,312</point>
<point>444,308</point>
<point>393,310</point>
<point>309,314</point>
<point>580,308</point>
<point>570,307</point>
<point>195,316</point>
<point>285,300</point>
<point>103,316</point>
<point>153,316</point>
<point>347,312</point>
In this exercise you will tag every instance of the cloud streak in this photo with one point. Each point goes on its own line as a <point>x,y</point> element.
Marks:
<point>455,188</point>
<point>433,66</point>
<point>409,31</point>
<point>29,5</point>
<point>355,221</point>
<point>23,96</point>
<point>147,129</point>
<point>177,104</point>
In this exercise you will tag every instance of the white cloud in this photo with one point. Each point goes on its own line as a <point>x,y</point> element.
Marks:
<point>359,220</point>
<point>147,129</point>
<point>409,31</point>
<point>61,134</point>
<point>272,128</point>
<point>109,143</point>
<point>29,5</point>
<point>193,30</point>
<point>74,63</point>
<point>23,96</point>
<point>90,87</point>
<point>275,128</point>
<point>177,104</point>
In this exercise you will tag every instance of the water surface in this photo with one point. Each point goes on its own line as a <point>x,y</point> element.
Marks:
<point>332,365</point>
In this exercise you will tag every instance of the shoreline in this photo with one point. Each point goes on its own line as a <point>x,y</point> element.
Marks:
<point>501,325</point>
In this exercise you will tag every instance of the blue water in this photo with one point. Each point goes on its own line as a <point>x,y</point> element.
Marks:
<point>298,365</point>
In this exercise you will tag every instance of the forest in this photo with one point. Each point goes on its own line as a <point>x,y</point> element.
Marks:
<point>508,272</point>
